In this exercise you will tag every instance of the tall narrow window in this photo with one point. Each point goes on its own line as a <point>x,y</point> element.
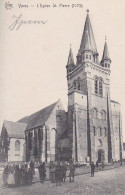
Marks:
<point>96,85</point>
<point>100,87</point>
<point>105,131</point>
<point>94,131</point>
<point>17,145</point>
<point>74,84</point>
<point>78,84</point>
<point>100,131</point>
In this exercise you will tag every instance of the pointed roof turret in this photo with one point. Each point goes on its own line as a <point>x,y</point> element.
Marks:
<point>105,55</point>
<point>70,58</point>
<point>88,40</point>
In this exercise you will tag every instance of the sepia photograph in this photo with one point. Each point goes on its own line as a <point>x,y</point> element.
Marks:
<point>62,66</point>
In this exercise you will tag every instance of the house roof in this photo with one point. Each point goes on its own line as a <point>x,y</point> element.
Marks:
<point>15,129</point>
<point>38,118</point>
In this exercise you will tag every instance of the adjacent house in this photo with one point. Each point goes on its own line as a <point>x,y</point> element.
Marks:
<point>13,141</point>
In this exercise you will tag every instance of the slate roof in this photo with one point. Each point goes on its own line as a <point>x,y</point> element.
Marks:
<point>105,55</point>
<point>15,129</point>
<point>88,40</point>
<point>38,118</point>
<point>70,58</point>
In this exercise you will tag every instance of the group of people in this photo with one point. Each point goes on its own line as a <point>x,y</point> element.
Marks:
<point>22,174</point>
<point>58,172</point>
<point>16,175</point>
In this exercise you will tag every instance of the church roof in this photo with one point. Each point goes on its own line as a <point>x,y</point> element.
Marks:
<point>105,55</point>
<point>70,58</point>
<point>88,40</point>
<point>38,118</point>
<point>15,129</point>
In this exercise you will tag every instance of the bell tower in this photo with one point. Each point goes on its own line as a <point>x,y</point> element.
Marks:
<point>89,104</point>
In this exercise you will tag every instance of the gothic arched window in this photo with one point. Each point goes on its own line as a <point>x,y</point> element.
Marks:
<point>74,84</point>
<point>78,84</point>
<point>17,145</point>
<point>100,87</point>
<point>95,113</point>
<point>96,85</point>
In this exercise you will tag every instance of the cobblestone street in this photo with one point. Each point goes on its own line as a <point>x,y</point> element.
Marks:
<point>105,182</point>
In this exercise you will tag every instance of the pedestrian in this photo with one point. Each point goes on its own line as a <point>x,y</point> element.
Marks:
<point>42,172</point>
<point>64,169</point>
<point>25,174</point>
<point>11,181</point>
<point>97,164</point>
<point>58,175</point>
<point>32,166</point>
<point>102,165</point>
<point>92,169</point>
<point>22,174</point>
<point>52,171</point>
<point>30,176</point>
<point>5,175</point>
<point>72,171</point>
<point>17,175</point>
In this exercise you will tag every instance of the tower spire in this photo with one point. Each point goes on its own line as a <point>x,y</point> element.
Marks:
<point>105,62</point>
<point>88,40</point>
<point>105,51</point>
<point>70,58</point>
<point>70,64</point>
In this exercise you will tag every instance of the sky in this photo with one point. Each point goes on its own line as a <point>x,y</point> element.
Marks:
<point>33,59</point>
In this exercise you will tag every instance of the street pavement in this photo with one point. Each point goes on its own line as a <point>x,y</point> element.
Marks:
<point>107,182</point>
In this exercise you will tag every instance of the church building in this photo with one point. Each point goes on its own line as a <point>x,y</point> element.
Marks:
<point>91,129</point>
<point>94,119</point>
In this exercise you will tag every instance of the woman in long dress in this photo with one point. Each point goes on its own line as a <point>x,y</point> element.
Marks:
<point>5,175</point>
<point>11,181</point>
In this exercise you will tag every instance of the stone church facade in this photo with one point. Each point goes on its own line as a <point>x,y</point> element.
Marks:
<point>94,120</point>
<point>91,129</point>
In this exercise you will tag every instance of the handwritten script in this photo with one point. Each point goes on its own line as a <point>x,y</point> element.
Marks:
<point>18,22</point>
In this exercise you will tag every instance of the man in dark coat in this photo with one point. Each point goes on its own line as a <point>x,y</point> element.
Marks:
<point>97,164</point>
<point>30,176</point>
<point>92,169</point>
<point>32,166</point>
<point>17,176</point>
<point>58,174</point>
<point>72,171</point>
<point>64,169</point>
<point>42,172</point>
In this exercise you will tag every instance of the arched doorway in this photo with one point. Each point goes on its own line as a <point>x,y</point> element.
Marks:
<point>101,156</point>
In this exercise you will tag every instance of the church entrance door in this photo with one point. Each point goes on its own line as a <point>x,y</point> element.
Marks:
<point>101,156</point>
